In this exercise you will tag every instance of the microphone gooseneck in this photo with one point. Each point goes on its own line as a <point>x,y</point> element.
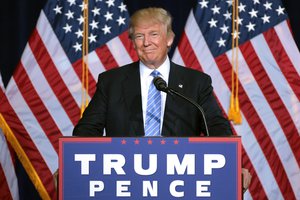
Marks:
<point>161,85</point>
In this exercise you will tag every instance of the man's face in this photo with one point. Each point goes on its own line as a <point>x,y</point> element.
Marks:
<point>151,43</point>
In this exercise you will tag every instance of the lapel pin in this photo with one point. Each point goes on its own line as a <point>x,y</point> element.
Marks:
<point>180,85</point>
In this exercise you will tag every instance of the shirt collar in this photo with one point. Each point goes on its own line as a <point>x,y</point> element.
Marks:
<point>164,70</point>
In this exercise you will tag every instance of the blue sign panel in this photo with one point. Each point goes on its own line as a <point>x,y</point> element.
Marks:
<point>150,168</point>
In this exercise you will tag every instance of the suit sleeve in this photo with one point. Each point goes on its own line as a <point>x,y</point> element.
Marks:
<point>217,124</point>
<point>93,120</point>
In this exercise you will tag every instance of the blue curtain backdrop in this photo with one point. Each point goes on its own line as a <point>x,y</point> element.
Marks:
<point>18,18</point>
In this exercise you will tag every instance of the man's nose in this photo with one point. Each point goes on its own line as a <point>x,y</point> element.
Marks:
<point>146,41</point>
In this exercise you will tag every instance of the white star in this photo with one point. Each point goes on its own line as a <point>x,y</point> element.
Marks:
<point>79,33</point>
<point>67,28</point>
<point>122,7</point>
<point>241,7</point>
<point>106,29</point>
<point>280,10</point>
<point>57,9</point>
<point>96,11</point>
<point>229,2</point>
<point>227,15</point>
<point>253,13</point>
<point>268,5</point>
<point>221,42</point>
<point>72,2</point>
<point>216,9</point>
<point>256,2</point>
<point>239,21</point>
<point>110,3</point>
<point>92,38</point>
<point>83,6</point>
<point>236,34</point>
<point>265,18</point>
<point>203,4</point>
<point>94,24</point>
<point>250,27</point>
<point>224,29</point>
<point>108,16</point>
<point>77,47</point>
<point>70,14</point>
<point>121,20</point>
<point>80,19</point>
<point>213,23</point>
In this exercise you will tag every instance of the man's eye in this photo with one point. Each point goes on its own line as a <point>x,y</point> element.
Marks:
<point>138,37</point>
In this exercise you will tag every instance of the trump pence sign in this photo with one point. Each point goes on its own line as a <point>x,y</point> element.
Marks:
<point>150,168</point>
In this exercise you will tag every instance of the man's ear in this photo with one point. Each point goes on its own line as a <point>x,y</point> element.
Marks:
<point>170,40</point>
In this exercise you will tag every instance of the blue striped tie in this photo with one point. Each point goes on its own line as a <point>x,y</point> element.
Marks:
<point>152,125</point>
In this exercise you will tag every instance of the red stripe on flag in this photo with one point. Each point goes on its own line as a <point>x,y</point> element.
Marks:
<point>259,131</point>
<point>27,145</point>
<point>187,53</point>
<point>272,97</point>
<point>53,77</point>
<point>37,106</point>
<point>5,192</point>
<point>106,57</point>
<point>128,45</point>
<point>283,61</point>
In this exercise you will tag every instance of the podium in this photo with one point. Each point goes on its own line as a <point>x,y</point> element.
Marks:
<point>150,168</point>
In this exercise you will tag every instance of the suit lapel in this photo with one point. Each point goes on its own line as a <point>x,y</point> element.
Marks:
<point>175,82</point>
<point>132,95</point>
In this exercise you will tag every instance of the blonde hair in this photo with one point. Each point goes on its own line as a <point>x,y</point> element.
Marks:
<point>151,14</point>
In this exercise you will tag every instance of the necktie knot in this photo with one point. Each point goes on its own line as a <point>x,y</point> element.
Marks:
<point>155,73</point>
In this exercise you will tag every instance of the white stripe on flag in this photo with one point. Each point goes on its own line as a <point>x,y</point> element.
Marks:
<point>269,120</point>
<point>288,43</point>
<point>118,51</point>
<point>59,58</point>
<point>95,65</point>
<point>45,92</point>
<point>281,85</point>
<point>32,126</point>
<point>8,168</point>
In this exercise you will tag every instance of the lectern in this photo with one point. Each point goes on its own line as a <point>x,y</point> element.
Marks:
<point>150,168</point>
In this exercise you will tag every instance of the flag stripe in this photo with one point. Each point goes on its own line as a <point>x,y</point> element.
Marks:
<point>106,57</point>
<point>54,79</point>
<point>118,51</point>
<point>36,105</point>
<point>59,58</point>
<point>278,80</point>
<point>8,179</point>
<point>260,132</point>
<point>44,90</point>
<point>6,192</point>
<point>27,140</point>
<point>285,36</point>
<point>283,61</point>
<point>188,54</point>
<point>271,95</point>
<point>128,45</point>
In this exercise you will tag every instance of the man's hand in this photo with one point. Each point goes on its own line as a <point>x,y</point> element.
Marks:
<point>246,177</point>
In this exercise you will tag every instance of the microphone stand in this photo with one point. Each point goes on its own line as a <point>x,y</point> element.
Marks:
<point>161,85</point>
<point>191,101</point>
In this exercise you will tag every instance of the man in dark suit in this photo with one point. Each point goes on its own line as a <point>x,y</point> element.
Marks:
<point>120,101</point>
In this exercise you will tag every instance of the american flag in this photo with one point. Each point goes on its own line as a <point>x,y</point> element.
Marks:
<point>8,179</point>
<point>269,85</point>
<point>43,98</point>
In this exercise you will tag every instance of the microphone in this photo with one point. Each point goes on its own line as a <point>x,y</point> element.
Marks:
<point>161,85</point>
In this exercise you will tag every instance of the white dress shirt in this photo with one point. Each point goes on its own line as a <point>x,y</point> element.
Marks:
<point>146,79</point>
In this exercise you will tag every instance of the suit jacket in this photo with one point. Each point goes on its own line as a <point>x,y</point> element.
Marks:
<point>117,105</point>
